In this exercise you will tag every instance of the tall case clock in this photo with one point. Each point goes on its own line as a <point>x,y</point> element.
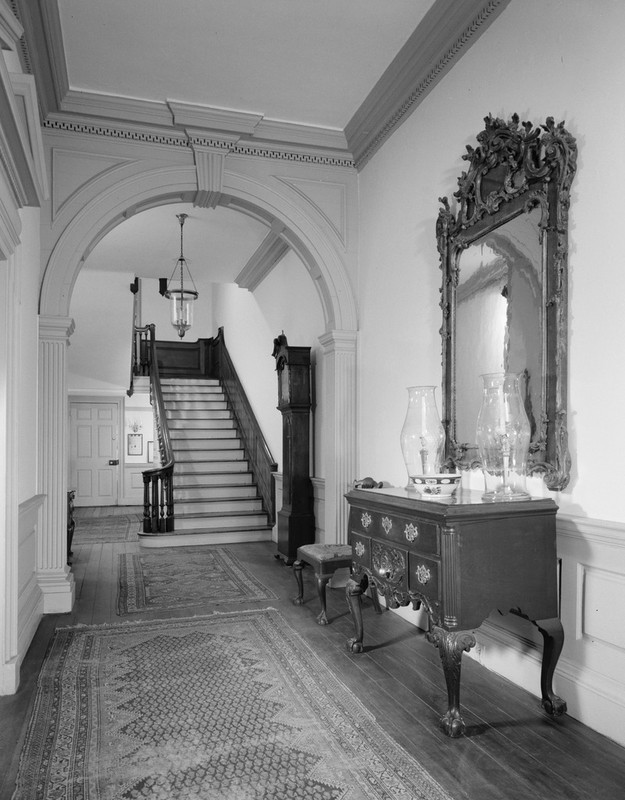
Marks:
<point>296,521</point>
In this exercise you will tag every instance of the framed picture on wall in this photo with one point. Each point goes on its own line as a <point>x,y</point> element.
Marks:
<point>135,444</point>
<point>150,452</point>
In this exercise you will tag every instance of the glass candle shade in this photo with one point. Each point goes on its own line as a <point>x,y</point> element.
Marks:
<point>422,435</point>
<point>503,438</point>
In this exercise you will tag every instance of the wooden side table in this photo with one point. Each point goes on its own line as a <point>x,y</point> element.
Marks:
<point>459,559</point>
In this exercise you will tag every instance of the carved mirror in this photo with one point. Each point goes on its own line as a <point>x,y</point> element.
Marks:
<point>503,254</point>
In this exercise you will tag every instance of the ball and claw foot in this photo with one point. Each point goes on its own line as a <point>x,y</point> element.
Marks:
<point>453,724</point>
<point>354,646</point>
<point>322,618</point>
<point>298,601</point>
<point>554,706</point>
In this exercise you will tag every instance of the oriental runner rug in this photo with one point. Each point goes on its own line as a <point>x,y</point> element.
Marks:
<point>113,528</point>
<point>185,577</point>
<point>230,706</point>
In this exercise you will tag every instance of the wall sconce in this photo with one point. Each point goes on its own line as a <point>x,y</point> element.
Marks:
<point>181,297</point>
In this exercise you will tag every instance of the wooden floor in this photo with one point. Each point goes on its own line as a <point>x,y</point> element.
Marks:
<point>512,750</point>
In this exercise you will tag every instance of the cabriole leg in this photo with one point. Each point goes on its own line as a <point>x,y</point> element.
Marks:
<point>553,641</point>
<point>451,645</point>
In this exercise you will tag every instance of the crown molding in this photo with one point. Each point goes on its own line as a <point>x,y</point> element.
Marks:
<point>445,33</point>
<point>21,154</point>
<point>213,119</point>
<point>108,108</point>
<point>114,129</point>
<point>291,133</point>
<point>11,30</point>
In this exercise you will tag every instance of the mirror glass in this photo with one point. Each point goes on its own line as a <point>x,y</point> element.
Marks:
<point>499,317</point>
<point>503,252</point>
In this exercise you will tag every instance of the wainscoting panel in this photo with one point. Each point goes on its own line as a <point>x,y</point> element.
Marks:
<point>591,671</point>
<point>133,485</point>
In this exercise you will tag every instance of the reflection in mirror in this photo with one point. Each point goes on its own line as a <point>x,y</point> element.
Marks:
<point>499,302</point>
<point>504,294</point>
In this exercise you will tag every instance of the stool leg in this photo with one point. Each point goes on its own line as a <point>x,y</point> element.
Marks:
<point>298,566</point>
<point>322,619</point>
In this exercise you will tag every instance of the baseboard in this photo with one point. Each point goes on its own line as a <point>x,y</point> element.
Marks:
<point>591,697</point>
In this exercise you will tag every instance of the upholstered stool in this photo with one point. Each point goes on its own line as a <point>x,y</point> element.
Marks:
<point>325,559</point>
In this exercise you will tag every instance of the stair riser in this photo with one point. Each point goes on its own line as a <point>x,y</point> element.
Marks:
<point>198,391</point>
<point>196,537</point>
<point>193,468</point>
<point>200,427</point>
<point>191,480</point>
<point>190,382</point>
<point>214,493</point>
<point>201,434</point>
<point>218,506</point>
<point>208,523</point>
<point>206,456</point>
<point>197,415</point>
<point>203,406</point>
<point>198,446</point>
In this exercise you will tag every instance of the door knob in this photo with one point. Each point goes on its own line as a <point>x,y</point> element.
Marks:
<point>114,462</point>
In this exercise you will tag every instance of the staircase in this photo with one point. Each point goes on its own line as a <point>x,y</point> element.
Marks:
<point>215,498</point>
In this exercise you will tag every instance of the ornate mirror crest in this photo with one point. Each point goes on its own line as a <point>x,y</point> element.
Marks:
<point>503,254</point>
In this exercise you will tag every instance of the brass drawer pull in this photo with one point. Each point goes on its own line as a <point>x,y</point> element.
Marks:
<point>411,532</point>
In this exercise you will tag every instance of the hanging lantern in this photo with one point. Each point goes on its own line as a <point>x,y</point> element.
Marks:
<point>181,296</point>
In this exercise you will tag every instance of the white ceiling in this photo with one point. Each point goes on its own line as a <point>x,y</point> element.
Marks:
<point>217,243</point>
<point>305,61</point>
<point>311,62</point>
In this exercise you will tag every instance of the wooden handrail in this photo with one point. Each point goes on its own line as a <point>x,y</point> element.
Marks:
<point>220,365</point>
<point>158,488</point>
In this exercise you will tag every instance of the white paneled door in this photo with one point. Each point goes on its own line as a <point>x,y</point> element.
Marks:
<point>94,453</point>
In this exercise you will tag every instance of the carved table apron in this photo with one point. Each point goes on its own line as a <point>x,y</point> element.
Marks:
<point>460,559</point>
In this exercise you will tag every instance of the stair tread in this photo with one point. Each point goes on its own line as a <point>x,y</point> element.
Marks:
<point>211,464</point>
<point>225,528</point>
<point>213,514</point>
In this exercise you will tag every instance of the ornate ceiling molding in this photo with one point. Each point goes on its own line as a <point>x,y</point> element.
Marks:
<point>446,32</point>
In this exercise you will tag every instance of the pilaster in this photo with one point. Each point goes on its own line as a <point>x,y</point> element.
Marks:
<point>339,348</point>
<point>55,579</point>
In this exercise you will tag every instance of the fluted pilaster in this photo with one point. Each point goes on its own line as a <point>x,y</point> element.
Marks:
<point>339,349</point>
<point>54,577</point>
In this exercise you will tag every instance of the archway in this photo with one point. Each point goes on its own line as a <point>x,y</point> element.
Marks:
<point>92,220</point>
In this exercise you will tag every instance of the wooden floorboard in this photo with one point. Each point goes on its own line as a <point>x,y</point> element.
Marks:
<point>512,750</point>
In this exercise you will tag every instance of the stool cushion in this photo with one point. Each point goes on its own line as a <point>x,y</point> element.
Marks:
<point>324,552</point>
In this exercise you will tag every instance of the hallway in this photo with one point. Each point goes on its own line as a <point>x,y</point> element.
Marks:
<point>512,750</point>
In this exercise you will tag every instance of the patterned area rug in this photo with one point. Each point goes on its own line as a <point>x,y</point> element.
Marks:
<point>114,528</point>
<point>222,707</point>
<point>184,577</point>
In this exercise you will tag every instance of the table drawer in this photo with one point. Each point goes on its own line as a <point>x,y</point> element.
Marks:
<point>424,576</point>
<point>361,549</point>
<point>409,531</point>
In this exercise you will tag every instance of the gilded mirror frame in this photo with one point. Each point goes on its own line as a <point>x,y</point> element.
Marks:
<point>515,168</point>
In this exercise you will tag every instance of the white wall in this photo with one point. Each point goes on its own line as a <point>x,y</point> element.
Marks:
<point>289,302</point>
<point>100,348</point>
<point>560,58</point>
<point>249,340</point>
